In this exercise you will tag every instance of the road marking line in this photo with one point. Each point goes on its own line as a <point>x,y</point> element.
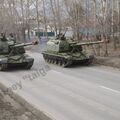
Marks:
<point>116,91</point>
<point>56,72</point>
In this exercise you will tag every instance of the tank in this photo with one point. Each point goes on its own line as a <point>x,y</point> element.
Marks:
<point>64,53</point>
<point>14,55</point>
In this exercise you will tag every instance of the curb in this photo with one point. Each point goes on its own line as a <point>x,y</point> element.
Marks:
<point>40,114</point>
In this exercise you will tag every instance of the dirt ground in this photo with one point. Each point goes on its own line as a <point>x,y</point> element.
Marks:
<point>113,58</point>
<point>11,110</point>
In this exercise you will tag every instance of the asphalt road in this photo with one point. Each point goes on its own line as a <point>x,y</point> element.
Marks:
<point>76,93</point>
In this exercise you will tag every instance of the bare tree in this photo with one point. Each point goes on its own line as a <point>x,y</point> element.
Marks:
<point>76,16</point>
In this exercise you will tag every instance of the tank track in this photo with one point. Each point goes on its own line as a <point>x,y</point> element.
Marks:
<point>3,67</point>
<point>60,61</point>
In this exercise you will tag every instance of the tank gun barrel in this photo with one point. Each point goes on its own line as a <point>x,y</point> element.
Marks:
<point>87,43</point>
<point>25,44</point>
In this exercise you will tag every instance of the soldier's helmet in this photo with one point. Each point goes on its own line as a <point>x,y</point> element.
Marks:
<point>11,35</point>
<point>3,37</point>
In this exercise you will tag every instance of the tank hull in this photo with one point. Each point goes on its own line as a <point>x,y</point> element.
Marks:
<point>12,62</point>
<point>24,65</point>
<point>66,60</point>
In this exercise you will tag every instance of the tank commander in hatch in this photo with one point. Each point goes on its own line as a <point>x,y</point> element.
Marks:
<point>4,49</point>
<point>61,36</point>
<point>12,38</point>
<point>3,37</point>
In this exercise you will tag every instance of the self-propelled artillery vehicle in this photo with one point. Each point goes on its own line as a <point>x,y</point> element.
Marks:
<point>64,53</point>
<point>13,55</point>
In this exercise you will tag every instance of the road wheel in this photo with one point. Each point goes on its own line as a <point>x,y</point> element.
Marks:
<point>64,64</point>
<point>52,61</point>
<point>48,60</point>
<point>59,63</point>
<point>3,67</point>
<point>56,62</point>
